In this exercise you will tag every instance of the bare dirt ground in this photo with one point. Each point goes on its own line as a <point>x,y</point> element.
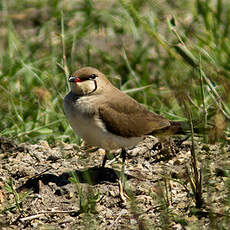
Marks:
<point>36,192</point>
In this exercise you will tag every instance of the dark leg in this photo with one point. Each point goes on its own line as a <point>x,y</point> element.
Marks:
<point>123,155</point>
<point>122,177</point>
<point>104,160</point>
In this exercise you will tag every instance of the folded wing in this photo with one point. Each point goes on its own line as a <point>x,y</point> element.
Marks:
<point>130,119</point>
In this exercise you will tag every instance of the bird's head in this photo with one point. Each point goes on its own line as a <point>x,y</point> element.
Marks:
<point>88,81</point>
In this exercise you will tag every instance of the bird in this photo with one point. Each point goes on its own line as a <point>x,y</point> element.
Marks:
<point>108,118</point>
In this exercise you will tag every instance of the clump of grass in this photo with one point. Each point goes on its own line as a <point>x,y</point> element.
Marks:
<point>87,200</point>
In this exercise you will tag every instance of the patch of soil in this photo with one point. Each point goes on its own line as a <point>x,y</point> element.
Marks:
<point>36,192</point>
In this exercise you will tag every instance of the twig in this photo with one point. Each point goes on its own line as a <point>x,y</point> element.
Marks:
<point>58,211</point>
<point>31,217</point>
<point>114,159</point>
<point>35,216</point>
<point>122,212</point>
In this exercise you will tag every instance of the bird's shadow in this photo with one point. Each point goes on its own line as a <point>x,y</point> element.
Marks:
<point>93,176</point>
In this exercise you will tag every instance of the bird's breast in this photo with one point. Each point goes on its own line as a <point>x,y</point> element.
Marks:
<point>82,114</point>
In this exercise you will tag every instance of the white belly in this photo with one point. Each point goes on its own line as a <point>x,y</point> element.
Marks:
<point>89,127</point>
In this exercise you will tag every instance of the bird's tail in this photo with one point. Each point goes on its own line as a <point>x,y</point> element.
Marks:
<point>185,127</point>
<point>181,128</point>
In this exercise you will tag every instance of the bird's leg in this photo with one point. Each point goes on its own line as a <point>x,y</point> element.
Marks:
<point>121,182</point>
<point>104,160</point>
<point>123,156</point>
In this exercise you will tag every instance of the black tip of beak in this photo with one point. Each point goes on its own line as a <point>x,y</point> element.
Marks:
<point>72,79</point>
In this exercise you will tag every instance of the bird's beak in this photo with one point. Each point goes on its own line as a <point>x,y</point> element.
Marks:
<point>75,79</point>
<point>72,79</point>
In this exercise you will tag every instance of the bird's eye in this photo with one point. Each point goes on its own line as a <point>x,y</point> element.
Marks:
<point>92,76</point>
